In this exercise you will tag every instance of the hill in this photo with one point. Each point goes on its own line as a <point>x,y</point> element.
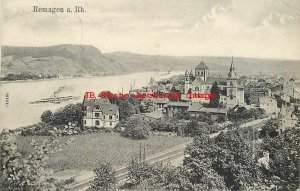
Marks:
<point>84,60</point>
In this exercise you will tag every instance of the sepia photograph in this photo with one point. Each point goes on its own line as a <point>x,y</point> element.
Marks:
<point>150,95</point>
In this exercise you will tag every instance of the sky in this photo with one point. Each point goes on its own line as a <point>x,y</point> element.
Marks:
<point>242,28</point>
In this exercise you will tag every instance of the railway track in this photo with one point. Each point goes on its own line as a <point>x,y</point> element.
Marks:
<point>121,172</point>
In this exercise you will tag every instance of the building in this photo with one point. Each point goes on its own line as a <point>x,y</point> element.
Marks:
<point>100,113</point>
<point>267,103</point>
<point>231,93</point>
<point>160,102</point>
<point>149,117</point>
<point>286,117</point>
<point>172,107</point>
<point>195,109</point>
<point>288,88</point>
<point>235,93</point>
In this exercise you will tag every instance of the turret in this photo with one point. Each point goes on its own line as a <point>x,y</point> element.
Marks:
<point>202,71</point>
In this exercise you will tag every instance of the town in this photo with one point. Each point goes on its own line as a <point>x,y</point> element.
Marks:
<point>276,98</point>
<point>195,126</point>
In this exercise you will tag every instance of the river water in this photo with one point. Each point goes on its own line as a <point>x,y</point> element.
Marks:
<point>15,97</point>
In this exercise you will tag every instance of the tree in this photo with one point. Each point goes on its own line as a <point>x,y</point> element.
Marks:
<point>158,177</point>
<point>162,125</point>
<point>284,157</point>
<point>18,172</point>
<point>195,128</point>
<point>147,105</point>
<point>127,107</point>
<point>47,116</point>
<point>270,128</point>
<point>58,117</point>
<point>226,162</point>
<point>71,113</point>
<point>215,90</point>
<point>138,171</point>
<point>105,178</point>
<point>136,129</point>
<point>198,162</point>
<point>236,156</point>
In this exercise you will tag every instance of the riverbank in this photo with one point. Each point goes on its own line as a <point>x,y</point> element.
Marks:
<point>82,77</point>
<point>15,97</point>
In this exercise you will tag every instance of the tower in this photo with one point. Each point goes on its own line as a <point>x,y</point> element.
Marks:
<point>231,81</point>
<point>186,82</point>
<point>202,71</point>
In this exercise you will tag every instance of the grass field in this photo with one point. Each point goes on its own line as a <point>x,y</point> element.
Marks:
<point>89,150</point>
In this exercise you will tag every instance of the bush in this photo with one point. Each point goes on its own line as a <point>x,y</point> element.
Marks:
<point>47,116</point>
<point>39,129</point>
<point>136,129</point>
<point>105,178</point>
<point>46,129</point>
<point>71,113</point>
<point>270,128</point>
<point>20,172</point>
<point>242,114</point>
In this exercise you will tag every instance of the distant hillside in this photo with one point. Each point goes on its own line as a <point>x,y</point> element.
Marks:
<point>88,60</point>
<point>216,64</point>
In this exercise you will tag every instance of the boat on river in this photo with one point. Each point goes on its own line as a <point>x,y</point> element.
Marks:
<point>56,99</point>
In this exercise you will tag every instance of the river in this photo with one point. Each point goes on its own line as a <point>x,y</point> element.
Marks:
<point>15,97</point>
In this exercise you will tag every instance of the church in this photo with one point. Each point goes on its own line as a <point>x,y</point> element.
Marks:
<point>199,81</point>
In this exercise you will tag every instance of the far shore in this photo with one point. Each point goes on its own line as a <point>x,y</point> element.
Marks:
<point>82,77</point>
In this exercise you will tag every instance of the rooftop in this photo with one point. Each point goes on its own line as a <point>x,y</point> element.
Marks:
<point>102,104</point>
<point>178,104</point>
<point>202,66</point>
<point>197,108</point>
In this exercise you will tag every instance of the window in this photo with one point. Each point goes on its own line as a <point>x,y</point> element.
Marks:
<point>117,116</point>
<point>97,107</point>
<point>103,116</point>
<point>97,122</point>
<point>97,114</point>
<point>110,123</point>
<point>84,122</point>
<point>201,72</point>
<point>110,117</point>
<point>231,83</point>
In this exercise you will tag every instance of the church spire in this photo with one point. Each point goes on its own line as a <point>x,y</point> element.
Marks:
<point>232,73</point>
<point>232,65</point>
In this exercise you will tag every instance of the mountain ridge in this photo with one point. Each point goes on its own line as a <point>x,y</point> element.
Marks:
<point>87,60</point>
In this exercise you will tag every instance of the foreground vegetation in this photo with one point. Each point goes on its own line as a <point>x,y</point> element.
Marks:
<point>232,161</point>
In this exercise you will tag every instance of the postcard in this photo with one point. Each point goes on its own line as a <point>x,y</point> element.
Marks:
<point>183,95</point>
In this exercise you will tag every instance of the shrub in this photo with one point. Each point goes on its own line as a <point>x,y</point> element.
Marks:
<point>19,172</point>
<point>105,178</point>
<point>47,116</point>
<point>136,129</point>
